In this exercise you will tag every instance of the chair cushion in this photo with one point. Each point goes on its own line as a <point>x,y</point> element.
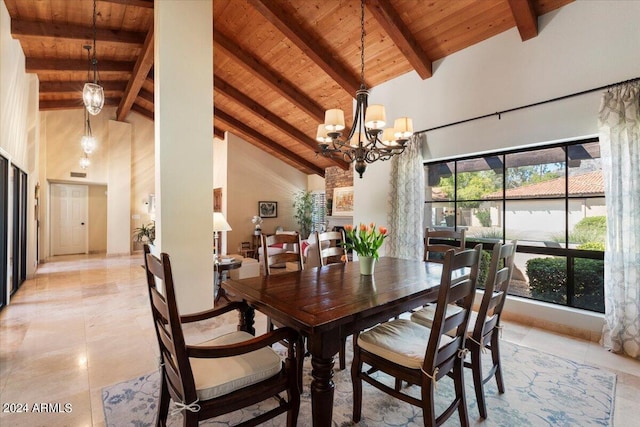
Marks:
<point>400,341</point>
<point>217,377</point>
<point>425,315</point>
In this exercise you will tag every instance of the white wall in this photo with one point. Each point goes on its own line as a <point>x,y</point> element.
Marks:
<point>584,45</point>
<point>119,189</point>
<point>256,176</point>
<point>19,121</point>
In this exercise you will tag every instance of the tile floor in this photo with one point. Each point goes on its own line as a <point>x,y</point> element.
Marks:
<point>83,323</point>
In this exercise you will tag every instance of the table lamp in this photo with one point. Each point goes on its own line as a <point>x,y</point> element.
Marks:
<point>219,224</point>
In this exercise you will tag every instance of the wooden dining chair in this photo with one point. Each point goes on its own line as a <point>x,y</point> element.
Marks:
<point>330,248</point>
<point>484,325</point>
<point>331,251</point>
<point>224,374</point>
<point>437,242</point>
<point>292,246</point>
<point>419,355</point>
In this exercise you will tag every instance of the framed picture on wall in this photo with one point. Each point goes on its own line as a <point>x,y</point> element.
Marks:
<point>268,209</point>
<point>342,201</point>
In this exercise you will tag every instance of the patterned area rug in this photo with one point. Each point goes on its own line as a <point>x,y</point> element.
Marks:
<point>541,390</point>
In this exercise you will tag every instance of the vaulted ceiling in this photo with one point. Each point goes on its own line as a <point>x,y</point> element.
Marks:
<point>278,64</point>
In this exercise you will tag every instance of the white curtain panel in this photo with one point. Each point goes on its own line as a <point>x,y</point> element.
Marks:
<point>619,124</point>
<point>406,200</point>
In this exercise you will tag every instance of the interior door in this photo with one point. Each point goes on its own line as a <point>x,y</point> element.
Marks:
<point>69,219</point>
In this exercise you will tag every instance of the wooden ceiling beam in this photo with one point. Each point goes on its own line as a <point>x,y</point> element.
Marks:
<point>40,31</point>
<point>390,21</point>
<point>218,133</point>
<point>273,80</point>
<point>70,104</point>
<point>75,86</point>
<point>146,95</point>
<point>36,65</point>
<point>143,111</point>
<point>273,119</point>
<point>525,16</point>
<point>256,138</point>
<point>137,3</point>
<point>140,72</point>
<point>311,47</point>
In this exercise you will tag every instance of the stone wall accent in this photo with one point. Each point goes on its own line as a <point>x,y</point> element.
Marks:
<point>334,177</point>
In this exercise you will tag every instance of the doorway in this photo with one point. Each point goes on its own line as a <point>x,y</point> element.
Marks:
<point>69,219</point>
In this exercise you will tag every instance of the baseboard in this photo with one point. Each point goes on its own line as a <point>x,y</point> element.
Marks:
<point>574,322</point>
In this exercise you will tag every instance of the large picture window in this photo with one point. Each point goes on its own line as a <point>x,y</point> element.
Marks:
<point>550,199</point>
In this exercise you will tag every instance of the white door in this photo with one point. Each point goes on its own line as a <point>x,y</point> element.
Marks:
<point>69,225</point>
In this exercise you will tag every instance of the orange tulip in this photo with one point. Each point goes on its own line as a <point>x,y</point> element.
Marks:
<point>348,227</point>
<point>383,230</point>
<point>363,227</point>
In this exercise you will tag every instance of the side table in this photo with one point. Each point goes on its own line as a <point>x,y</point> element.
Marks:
<point>218,268</point>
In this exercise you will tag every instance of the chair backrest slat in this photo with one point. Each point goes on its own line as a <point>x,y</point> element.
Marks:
<point>330,245</point>
<point>438,242</point>
<point>293,250</point>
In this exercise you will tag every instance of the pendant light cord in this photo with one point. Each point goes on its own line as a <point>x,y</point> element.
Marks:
<point>94,60</point>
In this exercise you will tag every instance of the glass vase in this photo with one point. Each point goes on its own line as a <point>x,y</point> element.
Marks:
<point>367,265</point>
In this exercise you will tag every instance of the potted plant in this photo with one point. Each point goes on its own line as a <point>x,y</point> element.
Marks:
<point>365,241</point>
<point>303,208</point>
<point>146,233</point>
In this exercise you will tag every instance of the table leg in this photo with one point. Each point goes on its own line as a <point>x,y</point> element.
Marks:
<point>246,320</point>
<point>322,390</point>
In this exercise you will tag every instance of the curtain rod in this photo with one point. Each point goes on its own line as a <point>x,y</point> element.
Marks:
<point>500,113</point>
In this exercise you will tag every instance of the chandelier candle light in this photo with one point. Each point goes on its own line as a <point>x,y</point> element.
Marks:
<point>93,93</point>
<point>367,140</point>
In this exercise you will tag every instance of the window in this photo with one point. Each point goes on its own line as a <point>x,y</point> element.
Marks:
<point>551,199</point>
<point>319,211</point>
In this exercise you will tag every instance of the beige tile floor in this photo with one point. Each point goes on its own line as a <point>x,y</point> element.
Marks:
<point>84,323</point>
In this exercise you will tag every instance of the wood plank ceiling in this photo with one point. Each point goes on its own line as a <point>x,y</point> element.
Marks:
<point>278,64</point>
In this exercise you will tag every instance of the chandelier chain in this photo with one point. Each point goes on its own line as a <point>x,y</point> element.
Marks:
<point>362,33</point>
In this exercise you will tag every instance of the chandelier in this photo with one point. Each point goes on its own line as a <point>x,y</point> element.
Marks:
<point>88,142</point>
<point>368,140</point>
<point>92,93</point>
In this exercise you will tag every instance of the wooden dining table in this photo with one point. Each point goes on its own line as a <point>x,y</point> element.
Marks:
<point>329,303</point>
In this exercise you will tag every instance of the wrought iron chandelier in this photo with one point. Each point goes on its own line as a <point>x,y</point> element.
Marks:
<point>368,140</point>
<point>92,93</point>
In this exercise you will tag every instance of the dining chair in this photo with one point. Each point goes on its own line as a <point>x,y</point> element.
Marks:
<point>330,248</point>
<point>224,374</point>
<point>293,251</point>
<point>331,251</point>
<point>437,242</point>
<point>419,355</point>
<point>484,325</point>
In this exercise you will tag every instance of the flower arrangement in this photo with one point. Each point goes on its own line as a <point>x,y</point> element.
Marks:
<point>366,240</point>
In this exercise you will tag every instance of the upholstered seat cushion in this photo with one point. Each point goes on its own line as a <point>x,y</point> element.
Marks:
<point>400,341</point>
<point>220,376</point>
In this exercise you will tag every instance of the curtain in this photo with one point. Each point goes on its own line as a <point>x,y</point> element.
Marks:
<point>619,124</point>
<point>406,199</point>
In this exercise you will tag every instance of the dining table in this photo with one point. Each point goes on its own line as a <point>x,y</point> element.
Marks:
<point>327,304</point>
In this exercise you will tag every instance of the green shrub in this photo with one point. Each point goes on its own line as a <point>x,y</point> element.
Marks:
<point>548,281</point>
<point>592,246</point>
<point>483,272</point>
<point>592,229</point>
<point>484,216</point>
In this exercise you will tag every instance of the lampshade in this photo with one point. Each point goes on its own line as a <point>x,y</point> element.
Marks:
<point>321,135</point>
<point>375,117</point>
<point>220,223</point>
<point>334,120</point>
<point>403,127</point>
<point>388,137</point>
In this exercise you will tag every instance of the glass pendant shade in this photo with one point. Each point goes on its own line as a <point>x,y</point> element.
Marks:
<point>88,144</point>
<point>93,97</point>
<point>84,162</point>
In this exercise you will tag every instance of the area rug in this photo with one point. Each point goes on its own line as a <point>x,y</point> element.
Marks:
<point>541,390</point>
